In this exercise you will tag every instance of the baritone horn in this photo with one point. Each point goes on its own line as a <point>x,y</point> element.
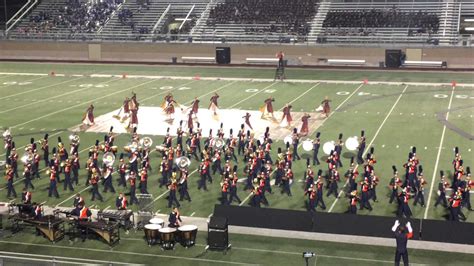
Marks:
<point>108,159</point>
<point>183,162</point>
<point>146,142</point>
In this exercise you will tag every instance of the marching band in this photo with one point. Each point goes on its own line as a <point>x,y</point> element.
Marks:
<point>218,158</point>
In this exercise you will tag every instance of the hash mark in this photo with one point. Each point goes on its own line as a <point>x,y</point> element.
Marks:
<point>398,146</point>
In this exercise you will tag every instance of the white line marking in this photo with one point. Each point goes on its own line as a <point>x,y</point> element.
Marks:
<point>108,207</point>
<point>102,251</point>
<point>40,88</point>
<point>192,214</point>
<point>252,95</point>
<point>77,105</point>
<point>49,258</point>
<point>435,170</point>
<point>370,144</point>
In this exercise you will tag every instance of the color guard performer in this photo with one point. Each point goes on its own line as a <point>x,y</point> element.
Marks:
<point>213,106</point>
<point>267,109</point>
<point>286,118</point>
<point>305,125</point>
<point>326,107</point>
<point>134,106</point>
<point>195,107</point>
<point>88,118</point>
<point>246,118</point>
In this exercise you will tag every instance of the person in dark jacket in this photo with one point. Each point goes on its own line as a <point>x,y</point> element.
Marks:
<point>402,238</point>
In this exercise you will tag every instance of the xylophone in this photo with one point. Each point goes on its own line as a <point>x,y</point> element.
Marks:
<point>51,226</point>
<point>108,231</point>
<point>122,217</point>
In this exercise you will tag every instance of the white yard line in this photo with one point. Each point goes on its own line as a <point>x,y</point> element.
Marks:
<point>259,91</point>
<point>435,170</point>
<point>335,110</point>
<point>370,144</point>
<point>103,251</point>
<point>30,80</point>
<point>77,105</point>
<point>40,88</point>
<point>153,96</point>
<point>47,258</point>
<point>57,96</point>
<point>294,100</point>
<point>255,79</point>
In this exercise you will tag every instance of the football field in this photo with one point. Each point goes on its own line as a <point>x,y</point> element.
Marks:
<point>397,110</point>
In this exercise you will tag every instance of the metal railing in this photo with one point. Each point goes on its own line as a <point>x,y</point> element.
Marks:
<point>216,38</point>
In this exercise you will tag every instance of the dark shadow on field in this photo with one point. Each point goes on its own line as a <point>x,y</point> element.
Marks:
<point>349,155</point>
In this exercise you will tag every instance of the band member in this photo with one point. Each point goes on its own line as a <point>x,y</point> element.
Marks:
<point>333,183</point>
<point>121,202</point>
<point>8,144</point>
<point>466,197</point>
<point>88,118</point>
<point>26,196</point>
<point>53,190</point>
<point>169,109</point>
<point>442,185</point>
<point>203,172</point>
<point>216,164</point>
<point>295,141</point>
<point>403,207</point>
<point>175,218</point>
<point>9,177</point>
<point>267,109</point>
<point>246,118</point>
<point>338,151</point>
<point>75,168</point>
<point>316,145</point>
<point>233,187</point>
<point>394,184</point>
<point>164,169</point>
<point>108,180</point>
<point>45,148</point>
<point>183,186</point>
<point>133,180</point>
<point>326,107</point>
<point>95,185</point>
<point>353,199</point>
<point>78,200</point>
<point>67,174</point>
<point>365,195</point>
<point>286,118</point>
<point>122,169</point>
<point>287,179</point>
<point>455,202</point>
<point>402,238</point>
<point>361,148</point>
<point>144,181</point>
<point>27,174</point>
<point>241,140</point>
<point>14,161</point>
<point>195,107</point>
<point>213,106</point>
<point>419,197</point>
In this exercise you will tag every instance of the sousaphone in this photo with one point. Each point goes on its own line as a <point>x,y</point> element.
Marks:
<point>108,158</point>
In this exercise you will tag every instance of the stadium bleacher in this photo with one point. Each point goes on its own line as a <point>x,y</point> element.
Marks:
<point>432,22</point>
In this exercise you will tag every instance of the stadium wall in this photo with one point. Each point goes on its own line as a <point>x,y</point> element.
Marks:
<point>456,57</point>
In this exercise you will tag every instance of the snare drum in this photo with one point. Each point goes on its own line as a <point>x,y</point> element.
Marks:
<point>187,235</point>
<point>152,233</point>
<point>167,236</point>
<point>159,221</point>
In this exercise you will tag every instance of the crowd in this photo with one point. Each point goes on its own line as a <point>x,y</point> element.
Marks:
<point>284,16</point>
<point>365,22</point>
<point>76,15</point>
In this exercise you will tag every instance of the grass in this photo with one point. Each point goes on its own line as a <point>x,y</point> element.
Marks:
<point>393,123</point>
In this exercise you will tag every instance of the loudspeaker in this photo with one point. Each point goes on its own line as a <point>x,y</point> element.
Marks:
<point>219,223</point>
<point>393,58</point>
<point>217,239</point>
<point>223,55</point>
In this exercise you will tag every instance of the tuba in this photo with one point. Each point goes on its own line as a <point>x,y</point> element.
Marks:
<point>183,162</point>
<point>108,158</point>
<point>146,142</point>
<point>219,144</point>
<point>27,158</point>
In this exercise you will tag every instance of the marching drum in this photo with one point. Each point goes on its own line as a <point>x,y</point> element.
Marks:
<point>308,145</point>
<point>158,221</point>
<point>328,147</point>
<point>152,233</point>
<point>167,236</point>
<point>187,235</point>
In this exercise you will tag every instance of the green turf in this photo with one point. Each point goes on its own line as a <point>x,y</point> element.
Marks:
<point>393,124</point>
<point>245,250</point>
